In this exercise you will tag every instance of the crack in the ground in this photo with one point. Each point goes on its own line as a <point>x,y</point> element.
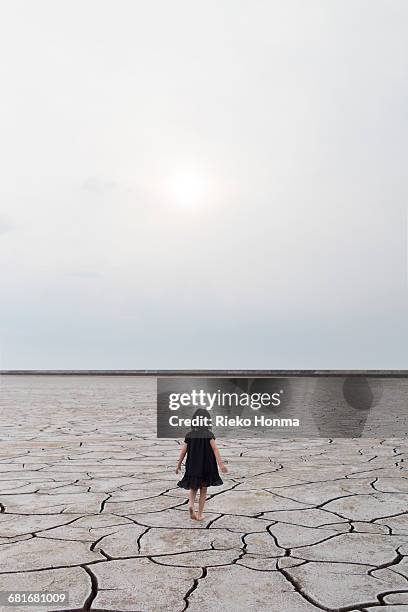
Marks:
<point>94,588</point>
<point>193,588</point>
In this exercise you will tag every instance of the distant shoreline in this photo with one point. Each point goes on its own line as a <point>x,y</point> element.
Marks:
<point>211,373</point>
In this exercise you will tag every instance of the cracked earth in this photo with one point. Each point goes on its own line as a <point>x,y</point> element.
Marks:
<point>89,504</point>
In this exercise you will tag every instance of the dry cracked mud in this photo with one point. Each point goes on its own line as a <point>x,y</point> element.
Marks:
<point>89,504</point>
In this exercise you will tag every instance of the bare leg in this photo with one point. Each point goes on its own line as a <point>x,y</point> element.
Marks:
<point>201,502</point>
<point>191,499</point>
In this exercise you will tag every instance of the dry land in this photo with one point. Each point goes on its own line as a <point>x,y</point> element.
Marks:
<point>89,504</point>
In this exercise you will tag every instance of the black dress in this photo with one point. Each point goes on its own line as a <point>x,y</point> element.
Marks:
<point>201,465</point>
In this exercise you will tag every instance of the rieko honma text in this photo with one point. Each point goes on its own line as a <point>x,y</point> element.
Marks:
<point>236,421</point>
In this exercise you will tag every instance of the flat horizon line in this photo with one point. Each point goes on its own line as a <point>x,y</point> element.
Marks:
<point>206,373</point>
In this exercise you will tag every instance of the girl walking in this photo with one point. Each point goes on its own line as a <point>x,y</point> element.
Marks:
<point>201,465</point>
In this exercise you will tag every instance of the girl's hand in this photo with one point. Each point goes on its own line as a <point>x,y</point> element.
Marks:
<point>224,469</point>
<point>177,469</point>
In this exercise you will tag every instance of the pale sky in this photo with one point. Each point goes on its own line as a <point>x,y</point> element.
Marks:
<point>216,184</point>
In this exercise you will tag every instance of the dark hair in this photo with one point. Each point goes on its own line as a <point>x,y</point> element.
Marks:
<point>200,412</point>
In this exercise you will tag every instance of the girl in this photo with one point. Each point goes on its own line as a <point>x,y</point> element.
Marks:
<point>201,465</point>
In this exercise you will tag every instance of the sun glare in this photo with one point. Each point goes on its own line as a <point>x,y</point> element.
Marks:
<point>187,189</point>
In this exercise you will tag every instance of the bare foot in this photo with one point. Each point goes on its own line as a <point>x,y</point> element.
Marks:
<point>193,515</point>
<point>200,517</point>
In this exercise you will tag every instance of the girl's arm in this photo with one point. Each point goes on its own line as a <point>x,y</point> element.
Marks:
<point>220,462</point>
<point>183,451</point>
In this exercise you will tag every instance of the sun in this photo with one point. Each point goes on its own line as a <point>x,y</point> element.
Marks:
<point>187,189</point>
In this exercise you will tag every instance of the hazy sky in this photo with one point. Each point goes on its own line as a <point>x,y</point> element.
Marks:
<point>217,184</point>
